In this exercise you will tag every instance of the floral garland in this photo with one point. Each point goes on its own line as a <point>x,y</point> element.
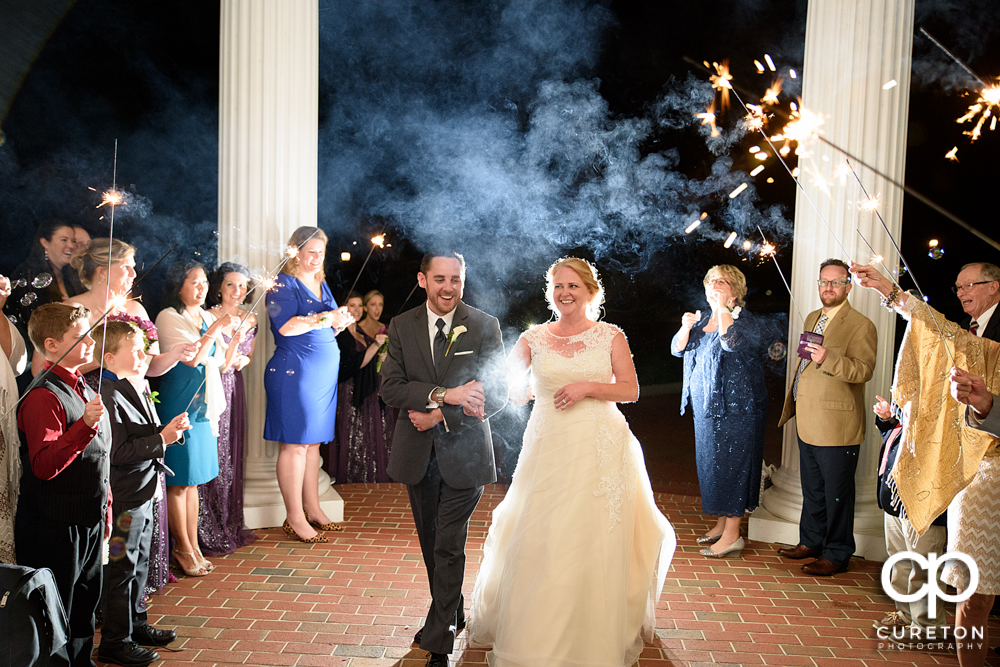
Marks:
<point>148,328</point>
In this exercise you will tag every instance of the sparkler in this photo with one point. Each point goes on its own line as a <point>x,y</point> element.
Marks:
<point>902,186</point>
<point>377,240</point>
<point>415,286</point>
<point>708,118</point>
<point>736,193</point>
<point>113,198</point>
<point>773,253</point>
<point>720,81</point>
<point>906,265</point>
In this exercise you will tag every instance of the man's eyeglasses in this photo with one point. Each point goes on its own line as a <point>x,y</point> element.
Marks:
<point>718,281</point>
<point>967,286</point>
<point>833,283</point>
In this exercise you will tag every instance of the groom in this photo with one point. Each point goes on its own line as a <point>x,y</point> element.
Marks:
<point>446,373</point>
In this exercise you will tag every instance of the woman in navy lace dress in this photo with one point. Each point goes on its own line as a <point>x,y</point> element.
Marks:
<point>724,382</point>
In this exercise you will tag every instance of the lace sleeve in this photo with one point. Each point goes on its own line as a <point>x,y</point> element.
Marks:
<point>532,338</point>
<point>608,333</point>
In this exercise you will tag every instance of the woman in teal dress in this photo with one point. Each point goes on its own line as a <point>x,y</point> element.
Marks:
<point>194,386</point>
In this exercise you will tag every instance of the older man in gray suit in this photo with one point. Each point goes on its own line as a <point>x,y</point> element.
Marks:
<point>446,372</point>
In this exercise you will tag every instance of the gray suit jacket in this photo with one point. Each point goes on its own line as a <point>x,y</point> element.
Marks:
<point>136,446</point>
<point>465,451</point>
<point>990,423</point>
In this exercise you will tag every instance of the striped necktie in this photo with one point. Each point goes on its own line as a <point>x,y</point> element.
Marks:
<point>820,326</point>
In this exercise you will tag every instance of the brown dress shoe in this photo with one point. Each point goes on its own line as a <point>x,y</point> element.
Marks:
<point>801,551</point>
<point>821,567</point>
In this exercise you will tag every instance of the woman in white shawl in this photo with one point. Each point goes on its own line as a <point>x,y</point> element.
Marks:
<point>15,360</point>
<point>193,386</point>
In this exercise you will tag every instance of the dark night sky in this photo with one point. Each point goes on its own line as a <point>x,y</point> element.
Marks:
<point>147,74</point>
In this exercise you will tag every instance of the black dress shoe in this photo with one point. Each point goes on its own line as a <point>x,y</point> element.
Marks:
<point>800,551</point>
<point>420,632</point>
<point>438,660</point>
<point>128,654</point>
<point>147,635</point>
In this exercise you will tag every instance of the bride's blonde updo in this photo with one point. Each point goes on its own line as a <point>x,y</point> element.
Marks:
<point>98,254</point>
<point>588,276</point>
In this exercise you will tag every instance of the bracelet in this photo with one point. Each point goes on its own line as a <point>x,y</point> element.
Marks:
<point>889,302</point>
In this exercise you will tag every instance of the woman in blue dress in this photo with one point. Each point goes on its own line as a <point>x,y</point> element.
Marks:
<point>301,380</point>
<point>194,386</point>
<point>724,381</point>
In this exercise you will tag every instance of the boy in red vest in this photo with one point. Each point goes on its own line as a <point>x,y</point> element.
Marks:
<point>64,506</point>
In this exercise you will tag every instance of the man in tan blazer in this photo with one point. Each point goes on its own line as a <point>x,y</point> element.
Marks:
<point>827,399</point>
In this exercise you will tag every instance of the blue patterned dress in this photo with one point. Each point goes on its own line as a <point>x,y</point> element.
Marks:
<point>724,382</point>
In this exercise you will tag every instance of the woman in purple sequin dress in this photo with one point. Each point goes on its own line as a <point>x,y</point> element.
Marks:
<point>364,430</point>
<point>220,521</point>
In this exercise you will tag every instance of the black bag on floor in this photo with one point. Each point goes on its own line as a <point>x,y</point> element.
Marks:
<point>33,623</point>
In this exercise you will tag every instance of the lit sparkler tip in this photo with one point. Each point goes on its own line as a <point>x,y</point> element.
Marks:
<point>292,251</point>
<point>379,240</point>
<point>768,249</point>
<point>117,302</point>
<point>876,259</point>
<point>747,245</point>
<point>112,197</point>
<point>729,240</point>
<point>870,203</point>
<point>952,154</point>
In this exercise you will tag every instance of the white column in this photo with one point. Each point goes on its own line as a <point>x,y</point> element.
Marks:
<point>268,146</point>
<point>853,49</point>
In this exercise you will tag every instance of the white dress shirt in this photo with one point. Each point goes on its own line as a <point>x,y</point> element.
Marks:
<point>432,330</point>
<point>984,319</point>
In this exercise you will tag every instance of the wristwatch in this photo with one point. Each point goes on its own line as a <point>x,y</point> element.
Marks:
<point>438,395</point>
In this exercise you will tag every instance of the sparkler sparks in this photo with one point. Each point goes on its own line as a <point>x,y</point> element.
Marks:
<point>729,240</point>
<point>720,81</point>
<point>112,197</point>
<point>770,63</point>
<point>869,203</point>
<point>989,97</point>
<point>891,83</point>
<point>756,170</point>
<point>736,193</point>
<point>693,226</point>
<point>291,251</point>
<point>708,118</point>
<point>379,240</point>
<point>771,95</point>
<point>953,153</point>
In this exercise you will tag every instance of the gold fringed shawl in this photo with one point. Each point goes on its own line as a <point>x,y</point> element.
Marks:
<point>940,453</point>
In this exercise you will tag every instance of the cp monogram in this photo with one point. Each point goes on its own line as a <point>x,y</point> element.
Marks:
<point>930,589</point>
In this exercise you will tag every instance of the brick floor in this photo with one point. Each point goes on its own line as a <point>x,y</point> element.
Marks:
<point>357,601</point>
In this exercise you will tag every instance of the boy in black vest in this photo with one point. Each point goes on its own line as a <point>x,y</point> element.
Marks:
<point>138,442</point>
<point>64,506</point>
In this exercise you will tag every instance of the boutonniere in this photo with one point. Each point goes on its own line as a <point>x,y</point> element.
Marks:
<point>453,336</point>
<point>735,312</point>
<point>154,396</point>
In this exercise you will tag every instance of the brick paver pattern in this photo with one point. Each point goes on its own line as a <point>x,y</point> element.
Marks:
<point>357,601</point>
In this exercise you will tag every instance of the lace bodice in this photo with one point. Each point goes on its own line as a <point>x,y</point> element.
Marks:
<point>586,357</point>
<point>559,360</point>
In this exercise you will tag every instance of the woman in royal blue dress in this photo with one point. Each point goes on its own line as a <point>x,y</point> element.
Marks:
<point>194,386</point>
<point>724,381</point>
<point>301,380</point>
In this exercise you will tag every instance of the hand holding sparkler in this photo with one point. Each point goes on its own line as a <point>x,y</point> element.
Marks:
<point>175,428</point>
<point>871,278</point>
<point>970,389</point>
<point>338,319</point>
<point>93,412</point>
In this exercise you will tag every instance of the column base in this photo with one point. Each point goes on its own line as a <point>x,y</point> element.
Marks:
<point>766,527</point>
<point>272,514</point>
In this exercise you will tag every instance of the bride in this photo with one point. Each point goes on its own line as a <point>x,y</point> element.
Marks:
<point>577,554</point>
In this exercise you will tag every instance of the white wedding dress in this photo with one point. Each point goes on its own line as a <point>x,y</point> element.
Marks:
<point>577,554</point>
